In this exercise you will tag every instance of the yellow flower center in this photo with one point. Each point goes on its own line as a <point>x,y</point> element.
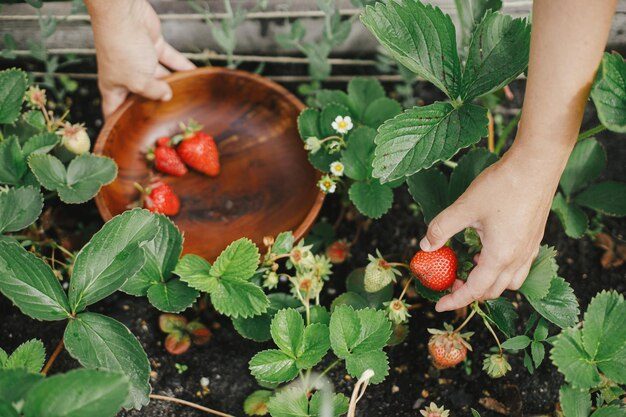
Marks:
<point>342,124</point>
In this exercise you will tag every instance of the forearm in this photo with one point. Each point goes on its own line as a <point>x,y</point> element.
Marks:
<point>567,42</point>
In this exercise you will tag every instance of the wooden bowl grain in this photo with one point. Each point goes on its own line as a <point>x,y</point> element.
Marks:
<point>266,185</point>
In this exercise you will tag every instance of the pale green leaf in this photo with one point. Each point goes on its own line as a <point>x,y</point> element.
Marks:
<point>99,342</point>
<point>238,261</point>
<point>29,355</point>
<point>195,271</point>
<point>172,296</point>
<point>422,136</point>
<point>375,330</point>
<point>608,198</point>
<point>376,360</point>
<point>13,83</point>
<point>574,402</point>
<point>40,143</point>
<point>112,256</point>
<point>30,284</point>
<point>568,354</point>
<point>19,208</point>
<point>290,402</point>
<point>539,278</point>
<point>337,404</point>
<point>308,124</point>
<point>609,92</point>
<point>560,305</point>
<point>283,243</point>
<point>78,393</point>
<point>498,53</point>
<point>373,199</point>
<point>603,334</point>
<point>287,331</point>
<point>236,298</point>
<point>420,37</point>
<point>344,327</point>
<point>315,344</point>
<point>273,366</point>
<point>516,343</point>
<point>257,328</point>
<point>584,165</point>
<point>610,411</point>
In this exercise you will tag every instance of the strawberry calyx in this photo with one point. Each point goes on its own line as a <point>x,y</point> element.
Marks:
<point>188,130</point>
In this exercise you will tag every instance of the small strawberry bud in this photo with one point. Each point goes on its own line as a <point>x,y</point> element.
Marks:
<point>271,280</point>
<point>36,97</point>
<point>397,311</point>
<point>433,411</point>
<point>74,138</point>
<point>312,144</point>
<point>378,273</point>
<point>496,365</point>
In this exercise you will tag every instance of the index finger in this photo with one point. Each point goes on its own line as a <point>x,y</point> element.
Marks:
<point>479,281</point>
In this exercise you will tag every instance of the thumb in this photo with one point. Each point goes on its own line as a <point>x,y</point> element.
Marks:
<point>448,223</point>
<point>156,89</point>
<point>112,98</point>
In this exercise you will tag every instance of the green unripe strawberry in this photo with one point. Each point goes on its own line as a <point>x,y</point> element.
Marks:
<point>378,273</point>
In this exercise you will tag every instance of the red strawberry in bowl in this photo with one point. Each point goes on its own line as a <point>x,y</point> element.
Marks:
<point>166,159</point>
<point>435,270</point>
<point>198,150</point>
<point>160,198</point>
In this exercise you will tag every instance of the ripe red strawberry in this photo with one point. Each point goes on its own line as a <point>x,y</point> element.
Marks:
<point>167,161</point>
<point>338,251</point>
<point>164,141</point>
<point>199,151</point>
<point>448,348</point>
<point>436,270</point>
<point>162,199</point>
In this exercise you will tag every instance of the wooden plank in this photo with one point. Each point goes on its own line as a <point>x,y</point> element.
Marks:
<point>186,31</point>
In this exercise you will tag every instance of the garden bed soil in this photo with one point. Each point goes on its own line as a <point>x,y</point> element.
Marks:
<point>412,382</point>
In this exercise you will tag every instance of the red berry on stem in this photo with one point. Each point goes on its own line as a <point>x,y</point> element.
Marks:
<point>435,270</point>
<point>167,161</point>
<point>163,141</point>
<point>162,199</point>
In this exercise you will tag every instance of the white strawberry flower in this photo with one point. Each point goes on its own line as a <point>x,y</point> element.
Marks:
<point>342,124</point>
<point>327,184</point>
<point>337,169</point>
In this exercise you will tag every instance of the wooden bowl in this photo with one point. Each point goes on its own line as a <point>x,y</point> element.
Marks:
<point>266,185</point>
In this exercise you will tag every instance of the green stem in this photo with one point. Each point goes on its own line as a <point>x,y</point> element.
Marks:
<point>325,371</point>
<point>488,326</point>
<point>591,132</point>
<point>467,320</point>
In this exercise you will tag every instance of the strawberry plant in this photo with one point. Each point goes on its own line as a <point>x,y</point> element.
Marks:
<point>591,357</point>
<point>26,392</point>
<point>39,150</point>
<point>114,254</point>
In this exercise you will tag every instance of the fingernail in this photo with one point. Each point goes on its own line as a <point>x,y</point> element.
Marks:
<point>425,244</point>
<point>439,308</point>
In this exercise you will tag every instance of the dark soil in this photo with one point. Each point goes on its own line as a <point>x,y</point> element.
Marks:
<point>412,383</point>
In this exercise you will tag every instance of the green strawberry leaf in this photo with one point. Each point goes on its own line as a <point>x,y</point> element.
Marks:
<point>585,164</point>
<point>471,13</point>
<point>560,305</point>
<point>238,261</point>
<point>99,342</point>
<point>502,313</point>
<point>575,402</point>
<point>362,92</point>
<point>345,328</point>
<point>82,180</point>
<point>568,354</point>
<point>375,360</point>
<point>498,53</point>
<point>257,327</point>
<point>12,163</point>
<point>287,331</point>
<point>574,220</point>
<point>372,199</point>
<point>13,83</point>
<point>609,92</point>
<point>19,208</point>
<point>610,411</point>
<point>358,156</point>
<point>349,298</point>
<point>273,365</point>
<point>40,143</point>
<point>78,392</point>
<point>516,343</point>
<point>256,403</point>
<point>608,198</point>
<point>290,402</point>
<point>236,298</point>
<point>172,296</point>
<point>31,284</point>
<point>105,263</point>
<point>16,383</point>
<point>375,330</point>
<point>161,257</point>
<point>315,345</point>
<point>283,243</point>
<point>327,117</point>
<point>542,271</point>
<point>7,409</point>
<point>195,271</point>
<point>603,335</point>
<point>429,189</point>
<point>339,404</point>
<point>420,37</point>
<point>308,124</point>
<point>469,167</point>
<point>29,355</point>
<point>422,136</point>
<point>326,97</point>
<point>380,110</point>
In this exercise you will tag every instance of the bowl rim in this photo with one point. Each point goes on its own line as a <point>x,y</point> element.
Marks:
<point>103,136</point>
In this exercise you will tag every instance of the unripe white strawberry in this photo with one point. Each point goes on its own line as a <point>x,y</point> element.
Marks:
<point>378,273</point>
<point>74,138</point>
<point>496,365</point>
